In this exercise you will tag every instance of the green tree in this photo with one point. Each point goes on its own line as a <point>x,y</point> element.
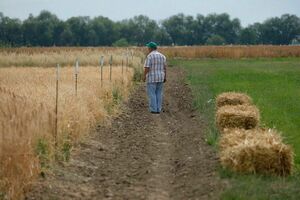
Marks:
<point>178,28</point>
<point>290,28</point>
<point>47,30</point>
<point>30,31</point>
<point>102,31</point>
<point>66,37</point>
<point>280,30</point>
<point>121,43</point>
<point>215,40</point>
<point>221,25</point>
<point>78,26</point>
<point>270,31</point>
<point>139,30</point>
<point>199,30</point>
<point>10,31</point>
<point>162,37</point>
<point>249,36</point>
<point>58,29</point>
<point>46,23</point>
<point>40,30</point>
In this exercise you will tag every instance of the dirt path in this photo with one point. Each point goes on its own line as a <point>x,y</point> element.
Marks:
<point>141,156</point>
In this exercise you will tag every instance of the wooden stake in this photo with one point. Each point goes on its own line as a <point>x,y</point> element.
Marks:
<point>76,75</point>
<point>110,67</point>
<point>56,105</point>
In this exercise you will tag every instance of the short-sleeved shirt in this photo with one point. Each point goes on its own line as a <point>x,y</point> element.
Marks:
<point>156,62</point>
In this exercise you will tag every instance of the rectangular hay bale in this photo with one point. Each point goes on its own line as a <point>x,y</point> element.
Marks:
<point>256,151</point>
<point>232,98</point>
<point>240,116</point>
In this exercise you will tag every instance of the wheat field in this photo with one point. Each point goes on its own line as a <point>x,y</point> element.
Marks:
<point>232,52</point>
<point>50,56</point>
<point>29,142</point>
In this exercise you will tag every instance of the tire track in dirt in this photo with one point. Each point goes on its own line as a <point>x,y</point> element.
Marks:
<point>141,155</point>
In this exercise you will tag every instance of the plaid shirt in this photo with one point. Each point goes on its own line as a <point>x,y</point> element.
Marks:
<point>156,63</point>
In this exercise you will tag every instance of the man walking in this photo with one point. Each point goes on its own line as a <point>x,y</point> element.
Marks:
<point>155,72</point>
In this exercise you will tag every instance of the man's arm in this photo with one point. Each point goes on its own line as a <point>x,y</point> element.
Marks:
<point>165,70</point>
<point>146,70</point>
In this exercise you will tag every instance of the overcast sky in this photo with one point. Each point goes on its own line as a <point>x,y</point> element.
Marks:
<point>248,11</point>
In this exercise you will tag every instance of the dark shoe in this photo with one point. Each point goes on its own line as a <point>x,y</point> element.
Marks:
<point>155,112</point>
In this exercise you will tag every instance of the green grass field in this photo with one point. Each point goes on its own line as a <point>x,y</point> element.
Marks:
<point>274,85</point>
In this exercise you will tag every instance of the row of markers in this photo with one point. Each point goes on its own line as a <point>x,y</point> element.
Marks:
<point>101,62</point>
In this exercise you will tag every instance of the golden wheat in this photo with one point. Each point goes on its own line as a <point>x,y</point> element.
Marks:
<point>49,57</point>
<point>27,111</point>
<point>233,52</point>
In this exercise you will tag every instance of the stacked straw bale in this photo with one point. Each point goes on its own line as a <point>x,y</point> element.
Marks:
<point>255,151</point>
<point>244,147</point>
<point>232,98</point>
<point>240,116</point>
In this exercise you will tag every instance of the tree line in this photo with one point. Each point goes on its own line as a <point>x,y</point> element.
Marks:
<point>47,29</point>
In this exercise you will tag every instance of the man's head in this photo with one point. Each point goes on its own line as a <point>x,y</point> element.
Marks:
<point>151,46</point>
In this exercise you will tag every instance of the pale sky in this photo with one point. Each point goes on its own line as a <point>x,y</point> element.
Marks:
<point>248,11</point>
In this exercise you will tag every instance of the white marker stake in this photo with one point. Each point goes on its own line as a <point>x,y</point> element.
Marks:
<point>77,67</point>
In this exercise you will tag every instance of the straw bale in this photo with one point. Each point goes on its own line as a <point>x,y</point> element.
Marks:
<point>232,98</point>
<point>240,116</point>
<point>235,136</point>
<point>256,151</point>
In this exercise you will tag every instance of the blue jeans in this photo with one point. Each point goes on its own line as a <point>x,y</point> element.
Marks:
<point>155,94</point>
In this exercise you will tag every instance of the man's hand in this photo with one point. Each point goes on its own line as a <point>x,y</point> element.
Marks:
<point>146,70</point>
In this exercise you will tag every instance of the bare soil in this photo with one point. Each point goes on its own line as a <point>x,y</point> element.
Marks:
<point>141,155</point>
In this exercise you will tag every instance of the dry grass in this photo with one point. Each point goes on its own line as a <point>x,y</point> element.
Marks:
<point>256,151</point>
<point>66,56</point>
<point>27,104</point>
<point>49,57</point>
<point>232,98</point>
<point>21,121</point>
<point>235,136</point>
<point>239,116</point>
<point>258,51</point>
